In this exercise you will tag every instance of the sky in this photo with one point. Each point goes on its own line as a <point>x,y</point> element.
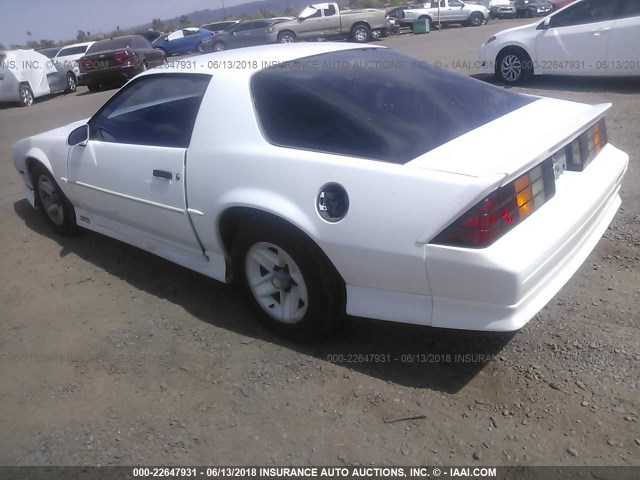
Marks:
<point>61,19</point>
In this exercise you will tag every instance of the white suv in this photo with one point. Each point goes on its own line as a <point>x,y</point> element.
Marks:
<point>587,37</point>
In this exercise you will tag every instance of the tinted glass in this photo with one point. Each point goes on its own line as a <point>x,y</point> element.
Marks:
<point>155,110</point>
<point>373,103</point>
<point>65,52</point>
<point>111,44</point>
<point>245,26</point>
<point>588,11</point>
<point>629,8</point>
<point>49,52</point>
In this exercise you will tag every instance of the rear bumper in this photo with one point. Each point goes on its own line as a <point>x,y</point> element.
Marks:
<point>502,287</point>
<point>111,75</point>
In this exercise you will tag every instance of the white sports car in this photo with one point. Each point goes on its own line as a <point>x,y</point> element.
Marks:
<point>335,178</point>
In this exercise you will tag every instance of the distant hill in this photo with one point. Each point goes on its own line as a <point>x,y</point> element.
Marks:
<point>200,17</point>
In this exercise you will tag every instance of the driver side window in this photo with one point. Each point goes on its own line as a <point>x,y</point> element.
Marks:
<point>588,11</point>
<point>454,3</point>
<point>158,110</point>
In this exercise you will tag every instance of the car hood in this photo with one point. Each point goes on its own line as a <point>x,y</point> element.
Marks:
<point>505,146</point>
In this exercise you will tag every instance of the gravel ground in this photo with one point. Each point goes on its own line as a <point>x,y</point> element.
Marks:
<point>111,356</point>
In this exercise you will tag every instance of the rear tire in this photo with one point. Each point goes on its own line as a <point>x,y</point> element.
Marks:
<point>72,83</point>
<point>361,33</point>
<point>52,203</point>
<point>94,87</point>
<point>26,95</point>
<point>292,288</point>
<point>219,47</point>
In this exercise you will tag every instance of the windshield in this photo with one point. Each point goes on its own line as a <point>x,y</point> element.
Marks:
<point>308,11</point>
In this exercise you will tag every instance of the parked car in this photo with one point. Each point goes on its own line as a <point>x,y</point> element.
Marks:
<point>397,13</point>
<point>185,40</point>
<point>244,34</point>
<point>152,35</point>
<point>291,190</point>
<point>67,59</point>
<point>26,75</point>
<point>533,8</point>
<point>116,60</point>
<point>449,12</point>
<point>502,9</point>
<point>218,27</point>
<point>325,21</point>
<point>497,8</point>
<point>588,37</point>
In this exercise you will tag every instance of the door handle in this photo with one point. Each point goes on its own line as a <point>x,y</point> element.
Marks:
<point>162,174</point>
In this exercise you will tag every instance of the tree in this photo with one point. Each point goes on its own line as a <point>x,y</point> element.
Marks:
<point>47,44</point>
<point>2,47</point>
<point>290,11</point>
<point>157,25</point>
<point>184,20</point>
<point>81,36</point>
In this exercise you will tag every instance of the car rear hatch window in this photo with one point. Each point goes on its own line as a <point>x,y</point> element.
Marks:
<point>372,103</point>
<point>112,44</point>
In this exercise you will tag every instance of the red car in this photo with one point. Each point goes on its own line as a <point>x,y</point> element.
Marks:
<point>558,4</point>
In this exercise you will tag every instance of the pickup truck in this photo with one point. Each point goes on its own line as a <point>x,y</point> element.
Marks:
<point>449,11</point>
<point>325,21</point>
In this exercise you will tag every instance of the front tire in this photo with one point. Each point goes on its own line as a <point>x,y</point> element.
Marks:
<point>287,37</point>
<point>292,288</point>
<point>219,47</point>
<point>361,33</point>
<point>53,204</point>
<point>476,19</point>
<point>513,67</point>
<point>26,95</point>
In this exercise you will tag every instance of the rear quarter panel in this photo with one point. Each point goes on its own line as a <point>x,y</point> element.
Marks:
<point>376,245</point>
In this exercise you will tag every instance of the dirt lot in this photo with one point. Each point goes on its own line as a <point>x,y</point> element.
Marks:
<point>109,355</point>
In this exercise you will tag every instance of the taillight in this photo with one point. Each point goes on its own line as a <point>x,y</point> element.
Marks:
<point>120,56</point>
<point>584,149</point>
<point>502,210</point>
<point>85,63</point>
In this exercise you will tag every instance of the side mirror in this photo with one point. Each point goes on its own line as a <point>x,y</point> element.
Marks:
<point>300,19</point>
<point>545,24</point>
<point>78,136</point>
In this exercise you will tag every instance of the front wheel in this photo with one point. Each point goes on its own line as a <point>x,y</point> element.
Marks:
<point>513,67</point>
<point>361,33</point>
<point>54,206</point>
<point>476,19</point>
<point>287,37</point>
<point>219,47</point>
<point>292,288</point>
<point>200,47</point>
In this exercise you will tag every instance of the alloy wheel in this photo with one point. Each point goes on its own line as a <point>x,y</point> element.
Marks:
<point>50,200</point>
<point>511,68</point>
<point>276,282</point>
